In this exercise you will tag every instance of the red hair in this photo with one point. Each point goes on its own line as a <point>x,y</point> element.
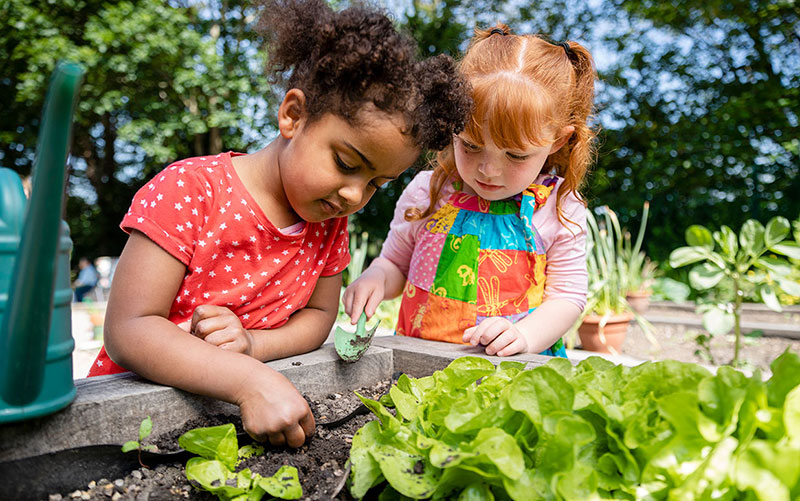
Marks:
<point>527,89</point>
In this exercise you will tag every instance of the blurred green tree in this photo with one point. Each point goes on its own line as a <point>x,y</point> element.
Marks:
<point>163,82</point>
<point>700,109</point>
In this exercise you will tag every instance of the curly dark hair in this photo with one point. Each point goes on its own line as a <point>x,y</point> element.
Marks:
<point>346,59</point>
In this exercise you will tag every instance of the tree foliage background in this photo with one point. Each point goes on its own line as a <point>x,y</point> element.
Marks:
<point>698,102</point>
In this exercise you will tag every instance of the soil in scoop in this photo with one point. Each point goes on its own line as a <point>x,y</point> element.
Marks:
<point>320,463</point>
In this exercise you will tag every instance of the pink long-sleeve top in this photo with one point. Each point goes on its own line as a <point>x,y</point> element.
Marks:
<point>565,246</point>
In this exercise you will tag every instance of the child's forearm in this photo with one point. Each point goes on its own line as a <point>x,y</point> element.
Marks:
<point>160,351</point>
<point>307,329</point>
<point>304,332</point>
<point>547,323</point>
<point>394,280</point>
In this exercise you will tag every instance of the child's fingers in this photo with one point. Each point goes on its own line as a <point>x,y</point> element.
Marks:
<point>208,326</point>
<point>469,336</point>
<point>206,311</point>
<point>186,325</point>
<point>500,342</point>
<point>488,330</point>
<point>372,304</point>
<point>518,345</point>
<point>295,436</point>
<point>360,297</point>
<point>308,424</point>
<point>347,298</point>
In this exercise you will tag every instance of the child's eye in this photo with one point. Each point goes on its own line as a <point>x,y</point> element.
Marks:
<point>514,156</point>
<point>340,163</point>
<point>469,147</point>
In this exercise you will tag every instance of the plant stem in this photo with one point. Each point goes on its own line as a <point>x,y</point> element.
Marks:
<point>737,321</point>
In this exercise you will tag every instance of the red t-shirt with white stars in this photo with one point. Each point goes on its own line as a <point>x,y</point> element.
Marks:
<point>199,211</point>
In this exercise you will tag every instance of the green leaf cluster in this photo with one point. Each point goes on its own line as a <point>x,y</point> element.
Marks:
<point>215,469</point>
<point>660,430</point>
<point>751,263</point>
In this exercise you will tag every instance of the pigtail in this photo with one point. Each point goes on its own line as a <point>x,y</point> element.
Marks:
<point>580,151</point>
<point>482,34</point>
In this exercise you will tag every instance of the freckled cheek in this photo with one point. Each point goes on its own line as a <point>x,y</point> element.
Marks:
<point>465,165</point>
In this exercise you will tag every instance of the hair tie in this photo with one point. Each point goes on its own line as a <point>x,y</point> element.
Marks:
<point>567,50</point>
<point>497,31</point>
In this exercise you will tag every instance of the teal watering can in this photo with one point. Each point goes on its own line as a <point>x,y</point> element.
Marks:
<point>35,296</point>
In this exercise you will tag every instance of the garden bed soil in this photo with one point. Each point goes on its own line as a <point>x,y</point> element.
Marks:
<point>320,463</point>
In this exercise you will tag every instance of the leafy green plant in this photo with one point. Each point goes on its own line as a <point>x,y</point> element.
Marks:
<point>215,469</point>
<point>638,271</point>
<point>660,430</point>
<point>607,256</point>
<point>145,428</point>
<point>747,263</point>
<point>669,289</point>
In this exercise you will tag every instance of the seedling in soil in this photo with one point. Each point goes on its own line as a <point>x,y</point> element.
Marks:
<point>350,346</point>
<point>215,469</point>
<point>145,428</point>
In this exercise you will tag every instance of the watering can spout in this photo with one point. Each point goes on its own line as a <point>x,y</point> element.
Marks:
<point>26,322</point>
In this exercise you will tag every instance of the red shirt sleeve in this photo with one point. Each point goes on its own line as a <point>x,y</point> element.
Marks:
<point>339,257</point>
<point>167,210</point>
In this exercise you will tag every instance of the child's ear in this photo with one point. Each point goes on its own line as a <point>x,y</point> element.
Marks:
<point>562,138</point>
<point>292,113</point>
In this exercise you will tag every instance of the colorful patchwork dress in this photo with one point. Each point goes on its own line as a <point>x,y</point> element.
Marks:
<point>473,260</point>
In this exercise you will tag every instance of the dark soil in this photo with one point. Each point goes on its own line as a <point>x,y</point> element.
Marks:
<point>320,463</point>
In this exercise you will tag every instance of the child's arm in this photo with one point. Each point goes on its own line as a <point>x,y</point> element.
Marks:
<point>532,334</point>
<point>306,330</point>
<point>139,337</point>
<point>382,280</point>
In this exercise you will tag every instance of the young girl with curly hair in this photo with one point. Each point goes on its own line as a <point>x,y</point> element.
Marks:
<point>489,248</point>
<point>236,259</point>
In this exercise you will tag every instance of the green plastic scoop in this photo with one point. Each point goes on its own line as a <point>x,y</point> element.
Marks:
<point>350,346</point>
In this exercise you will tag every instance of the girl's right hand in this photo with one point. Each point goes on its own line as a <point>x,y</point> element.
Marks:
<point>273,410</point>
<point>365,294</point>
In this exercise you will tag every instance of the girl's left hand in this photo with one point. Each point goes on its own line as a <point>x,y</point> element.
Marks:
<point>221,327</point>
<point>499,335</point>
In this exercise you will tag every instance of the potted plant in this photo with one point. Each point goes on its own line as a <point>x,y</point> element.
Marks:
<point>639,271</point>
<point>603,325</point>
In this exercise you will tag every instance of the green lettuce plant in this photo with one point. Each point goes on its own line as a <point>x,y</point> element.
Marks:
<point>750,263</point>
<point>660,430</point>
<point>215,469</point>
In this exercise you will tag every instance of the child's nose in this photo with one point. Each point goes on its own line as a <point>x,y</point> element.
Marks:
<point>487,168</point>
<point>352,193</point>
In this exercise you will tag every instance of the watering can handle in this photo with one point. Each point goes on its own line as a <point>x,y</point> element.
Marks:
<point>26,324</point>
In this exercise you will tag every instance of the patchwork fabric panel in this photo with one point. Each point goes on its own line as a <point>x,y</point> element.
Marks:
<point>473,260</point>
<point>458,267</point>
<point>425,260</point>
<point>504,279</point>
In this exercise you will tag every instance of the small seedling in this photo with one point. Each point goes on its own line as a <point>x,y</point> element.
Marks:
<point>145,428</point>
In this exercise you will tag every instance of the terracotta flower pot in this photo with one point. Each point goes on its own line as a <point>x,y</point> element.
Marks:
<point>614,332</point>
<point>639,300</point>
